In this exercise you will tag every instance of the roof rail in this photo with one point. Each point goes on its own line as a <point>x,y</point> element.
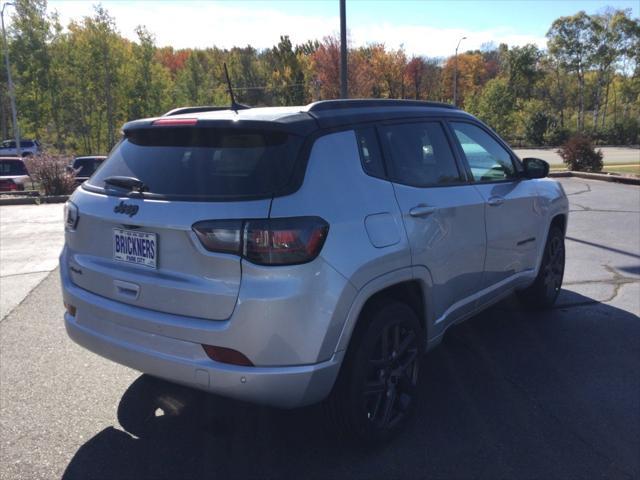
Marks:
<point>325,105</point>
<point>181,110</point>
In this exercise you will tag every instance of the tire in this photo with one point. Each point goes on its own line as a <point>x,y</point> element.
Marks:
<point>544,291</point>
<point>376,391</point>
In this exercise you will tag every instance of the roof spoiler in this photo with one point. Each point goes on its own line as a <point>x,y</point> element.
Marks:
<point>181,110</point>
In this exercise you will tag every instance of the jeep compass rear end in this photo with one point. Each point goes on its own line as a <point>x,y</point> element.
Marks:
<point>286,255</point>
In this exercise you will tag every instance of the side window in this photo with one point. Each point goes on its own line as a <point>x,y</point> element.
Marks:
<point>420,154</point>
<point>488,160</point>
<point>369,150</point>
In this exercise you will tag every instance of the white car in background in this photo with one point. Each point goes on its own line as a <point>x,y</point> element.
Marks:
<point>13,174</point>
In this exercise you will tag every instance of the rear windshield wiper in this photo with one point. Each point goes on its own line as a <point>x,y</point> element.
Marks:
<point>128,183</point>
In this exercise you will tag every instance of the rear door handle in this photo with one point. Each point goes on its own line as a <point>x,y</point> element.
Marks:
<point>422,211</point>
<point>495,201</point>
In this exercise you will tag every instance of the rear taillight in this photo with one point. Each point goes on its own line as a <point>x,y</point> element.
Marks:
<point>8,185</point>
<point>274,241</point>
<point>71,215</point>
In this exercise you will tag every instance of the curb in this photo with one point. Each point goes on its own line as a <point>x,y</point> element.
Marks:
<point>598,176</point>
<point>34,200</point>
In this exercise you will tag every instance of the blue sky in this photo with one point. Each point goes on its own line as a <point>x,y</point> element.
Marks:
<point>423,27</point>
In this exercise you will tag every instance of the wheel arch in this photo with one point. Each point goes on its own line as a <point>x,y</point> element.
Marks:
<point>408,285</point>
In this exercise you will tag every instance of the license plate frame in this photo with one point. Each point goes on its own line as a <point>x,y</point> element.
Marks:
<point>141,250</point>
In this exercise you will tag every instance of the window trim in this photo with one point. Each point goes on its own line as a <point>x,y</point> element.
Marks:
<point>515,161</point>
<point>391,174</point>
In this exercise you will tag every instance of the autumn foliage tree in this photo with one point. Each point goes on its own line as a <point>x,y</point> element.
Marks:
<point>77,85</point>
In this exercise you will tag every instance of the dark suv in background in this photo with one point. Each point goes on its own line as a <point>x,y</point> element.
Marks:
<point>83,167</point>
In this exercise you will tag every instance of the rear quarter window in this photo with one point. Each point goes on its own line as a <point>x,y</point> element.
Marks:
<point>370,153</point>
<point>204,162</point>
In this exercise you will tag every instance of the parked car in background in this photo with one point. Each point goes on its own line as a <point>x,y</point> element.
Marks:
<point>292,254</point>
<point>13,174</point>
<point>27,148</point>
<point>83,167</point>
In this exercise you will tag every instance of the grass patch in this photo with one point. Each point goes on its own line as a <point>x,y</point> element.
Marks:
<point>632,169</point>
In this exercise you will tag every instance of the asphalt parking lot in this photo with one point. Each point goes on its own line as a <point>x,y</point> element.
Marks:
<point>509,394</point>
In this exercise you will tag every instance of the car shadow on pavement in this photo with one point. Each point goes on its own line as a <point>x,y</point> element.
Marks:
<point>508,393</point>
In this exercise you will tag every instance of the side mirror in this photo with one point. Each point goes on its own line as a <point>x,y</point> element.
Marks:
<point>535,168</point>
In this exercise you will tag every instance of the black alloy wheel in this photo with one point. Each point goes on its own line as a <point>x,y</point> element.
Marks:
<point>392,377</point>
<point>545,289</point>
<point>378,386</point>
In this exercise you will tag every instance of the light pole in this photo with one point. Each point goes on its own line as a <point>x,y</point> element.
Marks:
<point>12,93</point>
<point>455,73</point>
<point>343,49</point>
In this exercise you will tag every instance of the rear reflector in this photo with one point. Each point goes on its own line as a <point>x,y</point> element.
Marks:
<point>71,310</point>
<point>226,355</point>
<point>270,241</point>
<point>175,122</point>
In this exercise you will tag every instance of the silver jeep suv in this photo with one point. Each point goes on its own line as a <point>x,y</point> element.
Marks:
<point>290,255</point>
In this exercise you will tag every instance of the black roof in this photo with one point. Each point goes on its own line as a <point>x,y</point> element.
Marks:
<point>306,119</point>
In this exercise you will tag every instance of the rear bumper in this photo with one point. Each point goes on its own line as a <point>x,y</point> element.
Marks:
<point>181,362</point>
<point>170,347</point>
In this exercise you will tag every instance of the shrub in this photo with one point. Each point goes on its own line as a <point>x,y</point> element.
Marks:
<point>51,173</point>
<point>578,154</point>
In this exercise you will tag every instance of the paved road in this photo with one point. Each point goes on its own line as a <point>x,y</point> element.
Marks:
<point>611,155</point>
<point>31,238</point>
<point>508,394</point>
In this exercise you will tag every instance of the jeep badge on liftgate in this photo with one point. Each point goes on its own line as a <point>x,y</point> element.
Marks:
<point>122,207</point>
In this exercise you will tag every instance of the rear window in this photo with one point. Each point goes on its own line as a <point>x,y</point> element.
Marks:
<point>12,144</point>
<point>12,167</point>
<point>204,162</point>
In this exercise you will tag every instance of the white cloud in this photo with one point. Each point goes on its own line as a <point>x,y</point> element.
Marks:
<point>205,24</point>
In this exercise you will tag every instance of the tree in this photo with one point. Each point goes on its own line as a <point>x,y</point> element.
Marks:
<point>569,40</point>
<point>325,63</point>
<point>151,83</point>
<point>495,106</point>
<point>287,78</point>
<point>472,75</point>
<point>613,37</point>
<point>77,86</point>
<point>522,70</point>
<point>415,73</point>
<point>31,33</point>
